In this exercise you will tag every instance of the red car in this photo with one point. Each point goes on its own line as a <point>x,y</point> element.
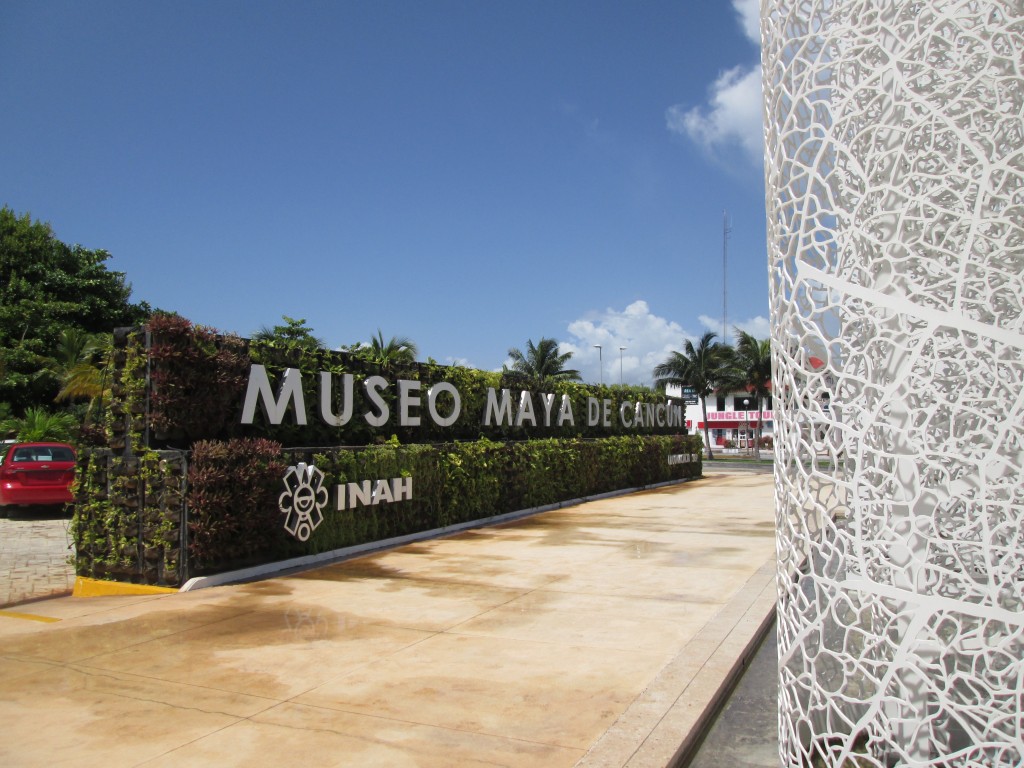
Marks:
<point>35,474</point>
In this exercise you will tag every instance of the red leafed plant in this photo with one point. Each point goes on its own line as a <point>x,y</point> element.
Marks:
<point>197,376</point>
<point>234,486</point>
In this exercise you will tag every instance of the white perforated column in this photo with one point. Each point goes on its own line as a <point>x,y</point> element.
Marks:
<point>895,201</point>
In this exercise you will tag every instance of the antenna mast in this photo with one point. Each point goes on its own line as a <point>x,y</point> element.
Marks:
<point>726,229</point>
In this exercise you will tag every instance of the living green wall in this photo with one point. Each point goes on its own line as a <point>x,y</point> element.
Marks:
<point>452,483</point>
<point>129,519</point>
<point>183,488</point>
<point>164,516</point>
<point>196,384</point>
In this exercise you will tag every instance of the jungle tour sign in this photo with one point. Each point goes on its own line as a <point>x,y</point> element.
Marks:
<point>441,404</point>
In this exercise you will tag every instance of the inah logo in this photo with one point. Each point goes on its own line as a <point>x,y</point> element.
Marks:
<point>303,500</point>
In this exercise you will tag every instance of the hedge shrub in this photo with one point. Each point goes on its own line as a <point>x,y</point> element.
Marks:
<point>236,485</point>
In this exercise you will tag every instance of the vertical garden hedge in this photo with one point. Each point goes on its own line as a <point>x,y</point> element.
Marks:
<point>184,488</point>
<point>130,516</point>
<point>236,524</point>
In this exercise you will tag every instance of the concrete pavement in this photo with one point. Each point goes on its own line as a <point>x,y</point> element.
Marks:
<point>600,634</point>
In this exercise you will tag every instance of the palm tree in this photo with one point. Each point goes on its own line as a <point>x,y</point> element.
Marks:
<point>396,350</point>
<point>703,367</point>
<point>81,366</point>
<point>751,370</point>
<point>73,347</point>
<point>541,363</point>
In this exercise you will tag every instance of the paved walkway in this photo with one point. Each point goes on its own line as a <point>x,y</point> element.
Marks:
<point>34,552</point>
<point>595,635</point>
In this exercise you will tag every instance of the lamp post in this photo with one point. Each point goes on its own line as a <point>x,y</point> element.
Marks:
<point>600,361</point>
<point>746,422</point>
<point>620,365</point>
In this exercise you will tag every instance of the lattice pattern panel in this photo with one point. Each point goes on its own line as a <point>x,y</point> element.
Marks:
<point>895,198</point>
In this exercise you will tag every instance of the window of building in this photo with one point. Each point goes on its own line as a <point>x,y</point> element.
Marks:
<point>720,402</point>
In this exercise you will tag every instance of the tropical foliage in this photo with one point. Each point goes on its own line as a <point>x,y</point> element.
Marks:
<point>229,486</point>
<point>541,363</point>
<point>82,367</point>
<point>40,425</point>
<point>125,526</point>
<point>48,288</point>
<point>294,333</point>
<point>398,350</point>
<point>704,366</point>
<point>199,379</point>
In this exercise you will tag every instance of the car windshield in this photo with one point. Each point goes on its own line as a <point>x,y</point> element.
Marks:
<point>41,453</point>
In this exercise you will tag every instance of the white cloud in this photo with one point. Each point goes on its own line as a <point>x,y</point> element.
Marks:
<point>648,339</point>
<point>749,12</point>
<point>731,117</point>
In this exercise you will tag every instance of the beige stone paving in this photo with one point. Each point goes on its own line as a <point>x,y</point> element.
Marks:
<point>593,635</point>
<point>34,552</point>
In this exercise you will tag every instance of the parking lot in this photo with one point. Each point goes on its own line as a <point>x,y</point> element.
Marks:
<point>34,551</point>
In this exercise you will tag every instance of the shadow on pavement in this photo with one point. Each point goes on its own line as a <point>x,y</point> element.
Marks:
<point>40,512</point>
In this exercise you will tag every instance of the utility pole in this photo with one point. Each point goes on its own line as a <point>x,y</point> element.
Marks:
<point>726,229</point>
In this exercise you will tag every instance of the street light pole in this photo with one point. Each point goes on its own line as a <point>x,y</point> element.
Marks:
<point>600,361</point>
<point>620,365</point>
<point>746,421</point>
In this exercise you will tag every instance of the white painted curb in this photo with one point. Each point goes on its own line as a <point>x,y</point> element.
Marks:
<point>306,561</point>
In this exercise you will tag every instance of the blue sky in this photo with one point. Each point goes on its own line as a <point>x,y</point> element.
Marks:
<point>467,174</point>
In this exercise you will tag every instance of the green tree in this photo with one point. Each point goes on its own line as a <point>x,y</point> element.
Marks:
<point>751,370</point>
<point>47,287</point>
<point>705,367</point>
<point>541,363</point>
<point>398,350</point>
<point>294,333</point>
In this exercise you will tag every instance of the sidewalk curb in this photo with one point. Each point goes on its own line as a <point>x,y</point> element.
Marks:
<point>686,696</point>
<point>282,567</point>
<point>86,587</point>
<point>690,746</point>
